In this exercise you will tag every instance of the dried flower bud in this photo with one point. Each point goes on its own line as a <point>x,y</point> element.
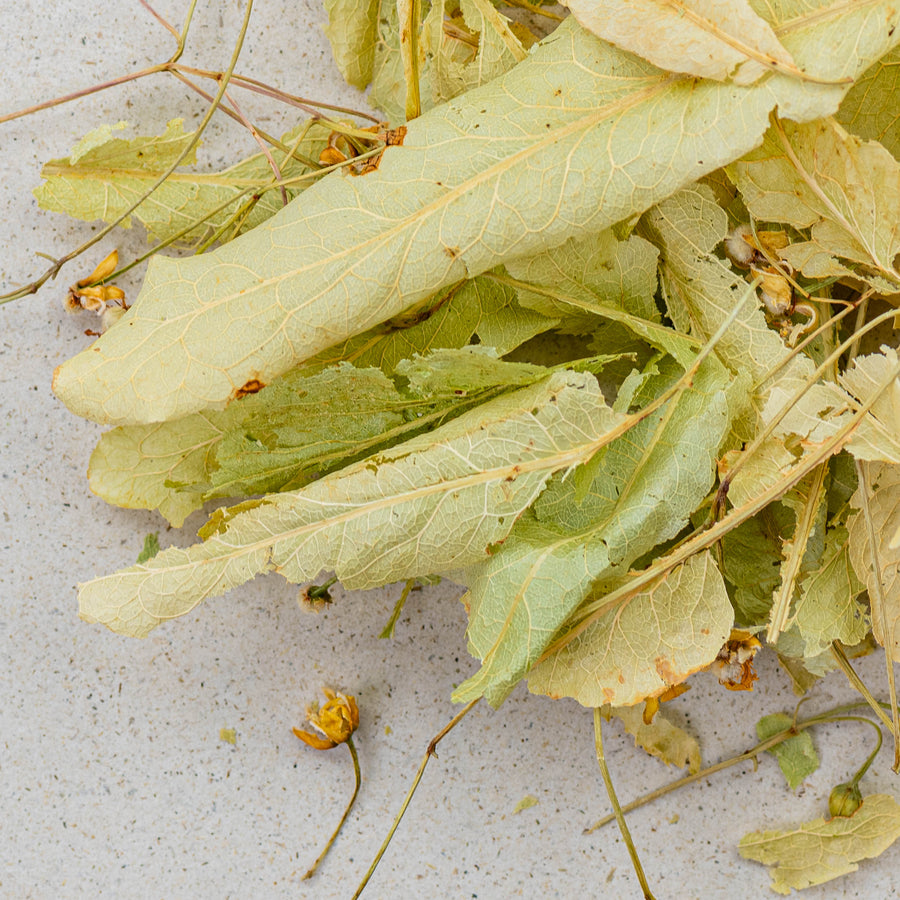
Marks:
<point>844,800</point>
<point>336,720</point>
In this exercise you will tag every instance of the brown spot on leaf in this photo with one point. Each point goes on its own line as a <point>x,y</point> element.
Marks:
<point>666,671</point>
<point>253,386</point>
<point>452,252</point>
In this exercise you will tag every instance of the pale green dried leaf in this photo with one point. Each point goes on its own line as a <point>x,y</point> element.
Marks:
<point>657,639</point>
<point>154,466</point>
<point>878,434</point>
<point>870,108</point>
<point>433,504</point>
<point>596,270</point>
<point>797,757</point>
<point>545,152</point>
<point>150,548</point>
<point>845,190</point>
<point>818,851</point>
<point>826,608</point>
<point>352,31</point>
<point>706,38</point>
<point>884,506</point>
<point>456,65</point>
<point>687,227</point>
<point>640,491</point>
<point>102,178</point>
<point>661,738</point>
<point>450,372</point>
<point>479,308</point>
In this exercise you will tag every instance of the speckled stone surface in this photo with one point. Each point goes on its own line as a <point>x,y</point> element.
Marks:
<point>115,781</point>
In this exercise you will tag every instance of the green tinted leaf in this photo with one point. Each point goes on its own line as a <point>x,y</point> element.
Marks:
<point>433,504</point>
<point>641,491</point>
<point>796,756</point>
<point>870,108</point>
<point>352,33</point>
<point>657,639</point>
<point>105,175</point>
<point>827,609</point>
<point>517,166</point>
<point>818,851</point>
<point>476,46</point>
<point>151,548</point>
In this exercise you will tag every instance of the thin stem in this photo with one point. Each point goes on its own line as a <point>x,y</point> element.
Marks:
<point>164,22</point>
<point>53,271</point>
<point>356,774</point>
<point>388,631</point>
<point>617,810</point>
<point>262,146</point>
<point>182,38</point>
<point>833,715</point>
<point>844,664</point>
<point>83,92</point>
<point>429,752</point>
<point>879,605</point>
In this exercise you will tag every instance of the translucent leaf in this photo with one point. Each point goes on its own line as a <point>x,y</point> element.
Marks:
<point>352,33</point>
<point>657,639</point>
<point>477,47</point>
<point>878,434</point>
<point>870,108</point>
<point>575,138</point>
<point>661,738</point>
<point>797,757</point>
<point>884,506</point>
<point>388,81</point>
<point>433,504</point>
<point>105,175</point>
<point>846,191</point>
<point>640,491</point>
<point>821,850</point>
<point>706,38</point>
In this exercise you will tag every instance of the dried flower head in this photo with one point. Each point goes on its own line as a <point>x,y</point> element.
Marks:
<point>734,664</point>
<point>336,720</point>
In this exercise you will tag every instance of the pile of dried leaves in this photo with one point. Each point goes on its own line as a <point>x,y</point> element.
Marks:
<point>613,314</point>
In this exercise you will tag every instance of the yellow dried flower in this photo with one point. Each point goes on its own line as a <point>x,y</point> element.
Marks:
<point>336,720</point>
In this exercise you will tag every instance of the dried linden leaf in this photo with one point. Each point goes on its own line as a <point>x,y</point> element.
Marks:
<point>575,138</point>
<point>104,175</point>
<point>430,505</point>
<point>640,491</point>
<point>661,738</point>
<point>468,50</point>
<point>870,108</point>
<point>352,32</point>
<point>797,757</point>
<point>656,640</point>
<point>706,38</point>
<point>878,434</point>
<point>823,849</point>
<point>846,191</point>
<point>884,506</point>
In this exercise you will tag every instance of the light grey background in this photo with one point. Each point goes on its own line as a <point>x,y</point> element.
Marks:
<point>115,782</point>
